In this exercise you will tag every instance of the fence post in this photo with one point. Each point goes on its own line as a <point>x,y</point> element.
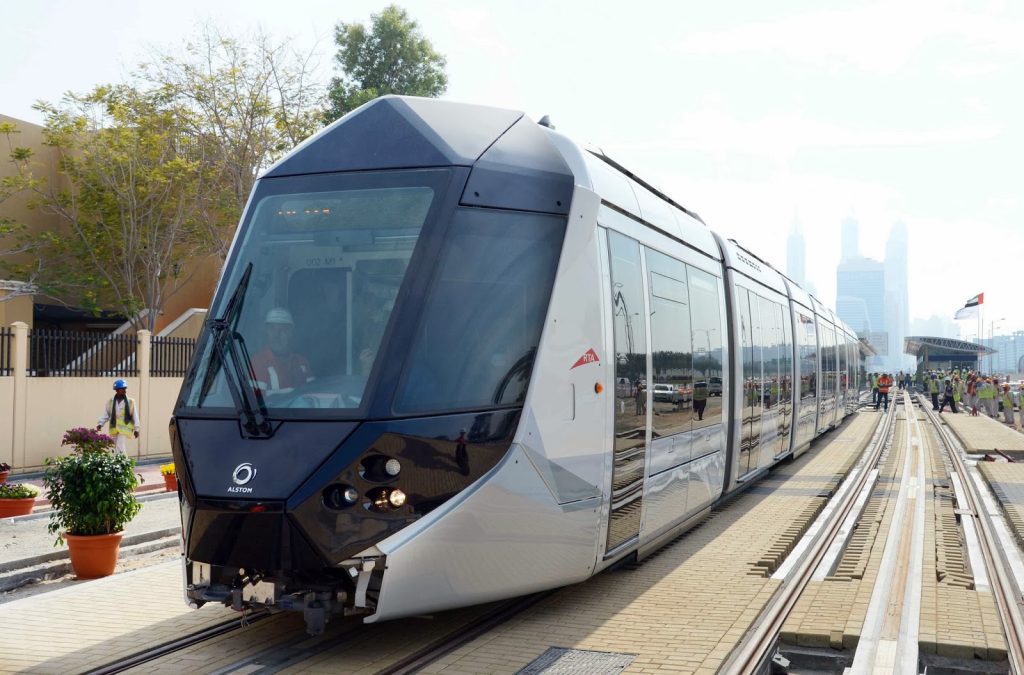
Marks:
<point>19,364</point>
<point>142,364</point>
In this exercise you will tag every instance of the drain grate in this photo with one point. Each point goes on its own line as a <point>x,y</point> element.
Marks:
<point>562,661</point>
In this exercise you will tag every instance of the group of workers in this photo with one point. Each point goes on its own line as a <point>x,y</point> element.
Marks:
<point>972,390</point>
<point>958,390</point>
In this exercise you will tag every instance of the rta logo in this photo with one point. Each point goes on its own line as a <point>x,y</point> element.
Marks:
<point>243,473</point>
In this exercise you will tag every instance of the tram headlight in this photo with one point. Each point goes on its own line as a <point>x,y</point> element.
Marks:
<point>387,499</point>
<point>339,497</point>
<point>392,467</point>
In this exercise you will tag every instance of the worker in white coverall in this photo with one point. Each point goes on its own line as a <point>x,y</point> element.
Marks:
<point>122,414</point>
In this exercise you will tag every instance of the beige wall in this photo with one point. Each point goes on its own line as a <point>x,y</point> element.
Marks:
<point>6,423</point>
<point>15,309</point>
<point>197,291</point>
<point>36,411</point>
<point>44,165</point>
<point>56,404</point>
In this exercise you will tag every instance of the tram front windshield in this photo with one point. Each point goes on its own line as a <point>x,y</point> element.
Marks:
<point>337,276</point>
<point>312,286</point>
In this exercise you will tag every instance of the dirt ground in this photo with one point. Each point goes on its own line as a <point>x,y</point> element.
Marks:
<point>124,564</point>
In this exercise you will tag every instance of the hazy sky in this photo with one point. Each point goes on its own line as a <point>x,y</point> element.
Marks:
<point>752,114</point>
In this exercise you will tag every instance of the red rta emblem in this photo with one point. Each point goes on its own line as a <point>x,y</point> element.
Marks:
<point>589,357</point>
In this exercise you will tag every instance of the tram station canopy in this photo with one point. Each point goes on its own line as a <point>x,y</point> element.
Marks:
<point>945,353</point>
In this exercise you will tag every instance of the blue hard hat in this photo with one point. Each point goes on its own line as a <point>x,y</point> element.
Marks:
<point>120,384</point>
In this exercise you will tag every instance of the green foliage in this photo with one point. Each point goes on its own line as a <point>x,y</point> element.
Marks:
<point>130,197</point>
<point>91,493</point>
<point>392,57</point>
<point>249,100</point>
<point>18,491</point>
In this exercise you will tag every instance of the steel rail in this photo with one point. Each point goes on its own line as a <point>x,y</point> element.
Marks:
<point>178,644</point>
<point>1000,577</point>
<point>755,650</point>
<point>420,659</point>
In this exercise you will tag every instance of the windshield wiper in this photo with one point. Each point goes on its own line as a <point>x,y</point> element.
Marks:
<point>230,346</point>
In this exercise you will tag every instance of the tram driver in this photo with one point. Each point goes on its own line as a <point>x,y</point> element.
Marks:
<point>279,369</point>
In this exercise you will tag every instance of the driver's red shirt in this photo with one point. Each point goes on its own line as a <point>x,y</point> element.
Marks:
<point>275,372</point>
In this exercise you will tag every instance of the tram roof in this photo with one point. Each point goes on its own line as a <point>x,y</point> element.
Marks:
<point>915,344</point>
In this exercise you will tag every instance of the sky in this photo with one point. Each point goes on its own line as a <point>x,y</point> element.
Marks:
<point>756,115</point>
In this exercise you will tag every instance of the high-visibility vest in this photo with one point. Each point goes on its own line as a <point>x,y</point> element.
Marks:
<point>986,391</point>
<point>1007,400</point>
<point>117,424</point>
<point>933,386</point>
<point>884,383</point>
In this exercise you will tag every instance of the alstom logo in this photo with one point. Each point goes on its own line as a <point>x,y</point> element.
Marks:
<point>243,474</point>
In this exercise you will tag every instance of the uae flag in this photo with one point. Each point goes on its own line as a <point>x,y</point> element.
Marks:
<point>970,310</point>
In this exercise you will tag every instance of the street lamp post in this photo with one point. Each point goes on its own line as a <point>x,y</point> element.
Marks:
<point>992,342</point>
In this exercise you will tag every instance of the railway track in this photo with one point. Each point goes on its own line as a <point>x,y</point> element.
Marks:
<point>889,639</point>
<point>756,652</point>
<point>1004,588</point>
<point>895,442</point>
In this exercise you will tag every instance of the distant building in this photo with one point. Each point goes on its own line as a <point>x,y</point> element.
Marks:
<point>897,297</point>
<point>936,325</point>
<point>850,240</point>
<point>860,302</point>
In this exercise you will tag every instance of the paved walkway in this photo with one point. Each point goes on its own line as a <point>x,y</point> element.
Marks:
<point>75,629</point>
<point>981,435</point>
<point>685,608</point>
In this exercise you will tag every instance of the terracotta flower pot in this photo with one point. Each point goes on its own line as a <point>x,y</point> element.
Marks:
<point>171,481</point>
<point>94,555</point>
<point>16,507</point>
<point>4,475</point>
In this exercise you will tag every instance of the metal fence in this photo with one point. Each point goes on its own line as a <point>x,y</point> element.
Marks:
<point>6,342</point>
<point>169,357</point>
<point>61,353</point>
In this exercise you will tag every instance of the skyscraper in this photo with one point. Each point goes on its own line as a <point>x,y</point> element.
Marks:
<point>850,240</point>
<point>860,302</point>
<point>897,298</point>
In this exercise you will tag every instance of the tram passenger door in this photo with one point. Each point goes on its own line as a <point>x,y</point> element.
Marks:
<point>632,400</point>
<point>750,429</point>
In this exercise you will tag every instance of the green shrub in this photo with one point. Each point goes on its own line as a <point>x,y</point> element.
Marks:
<point>18,491</point>
<point>90,493</point>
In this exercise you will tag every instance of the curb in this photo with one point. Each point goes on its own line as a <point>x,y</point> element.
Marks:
<point>44,510</point>
<point>33,573</point>
<point>62,554</point>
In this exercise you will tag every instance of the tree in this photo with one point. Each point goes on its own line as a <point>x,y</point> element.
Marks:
<point>392,58</point>
<point>251,101</point>
<point>14,234</point>
<point>135,185</point>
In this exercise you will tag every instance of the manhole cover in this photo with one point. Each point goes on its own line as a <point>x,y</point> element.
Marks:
<point>562,661</point>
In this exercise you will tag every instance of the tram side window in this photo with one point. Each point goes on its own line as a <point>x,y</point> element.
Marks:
<point>787,354</point>
<point>706,327</point>
<point>808,356</point>
<point>672,354</point>
<point>484,312</point>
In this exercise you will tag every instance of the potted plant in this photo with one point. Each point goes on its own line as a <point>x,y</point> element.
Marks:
<point>5,471</point>
<point>170,477</point>
<point>17,499</point>
<point>92,493</point>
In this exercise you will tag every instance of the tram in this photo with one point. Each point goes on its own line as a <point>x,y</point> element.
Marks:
<point>455,357</point>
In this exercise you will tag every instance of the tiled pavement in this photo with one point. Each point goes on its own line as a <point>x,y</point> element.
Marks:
<point>684,609</point>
